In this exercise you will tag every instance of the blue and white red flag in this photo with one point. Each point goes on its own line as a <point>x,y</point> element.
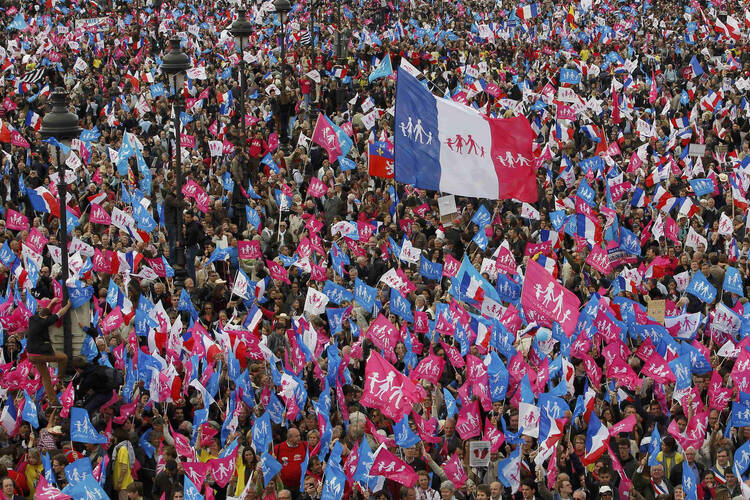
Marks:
<point>444,146</point>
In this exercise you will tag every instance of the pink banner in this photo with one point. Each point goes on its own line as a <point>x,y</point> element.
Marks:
<point>16,221</point>
<point>543,294</point>
<point>99,215</point>
<point>249,249</point>
<point>388,389</point>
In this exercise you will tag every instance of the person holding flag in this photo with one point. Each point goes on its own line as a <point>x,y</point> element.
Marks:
<point>39,346</point>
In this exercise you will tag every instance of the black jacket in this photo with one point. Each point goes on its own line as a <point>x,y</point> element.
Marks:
<point>38,336</point>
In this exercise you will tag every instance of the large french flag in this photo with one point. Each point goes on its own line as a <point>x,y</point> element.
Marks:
<point>441,145</point>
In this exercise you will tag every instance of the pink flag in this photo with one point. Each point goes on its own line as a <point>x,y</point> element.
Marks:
<point>99,215</point>
<point>249,249</point>
<point>67,400</point>
<point>16,221</point>
<point>718,396</point>
<point>16,139</point>
<point>493,435</point>
<point>273,141</point>
<point>454,469</point>
<point>388,465</point>
<point>599,260</point>
<point>454,356</point>
<point>657,368</point>
<point>430,368</point>
<point>278,272</point>
<point>325,136</point>
<point>44,491</point>
<point>388,389</point>
<point>100,262</point>
<point>35,240</point>
<point>383,334</point>
<point>182,445</point>
<point>624,425</point>
<point>450,266</point>
<point>222,469</point>
<point>505,262</point>
<point>112,320</point>
<point>543,294</point>
<point>196,471</point>
<point>468,424</point>
<point>652,94</point>
<point>317,188</point>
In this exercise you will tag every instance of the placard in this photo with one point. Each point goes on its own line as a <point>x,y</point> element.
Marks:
<point>656,309</point>
<point>479,453</point>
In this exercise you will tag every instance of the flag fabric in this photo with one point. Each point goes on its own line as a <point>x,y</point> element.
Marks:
<point>383,69</point>
<point>443,146</point>
<point>325,136</point>
<point>548,298</point>
<point>528,11</point>
<point>81,429</point>
<point>380,159</point>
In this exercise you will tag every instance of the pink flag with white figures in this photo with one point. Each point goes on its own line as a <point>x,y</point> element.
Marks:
<point>249,249</point>
<point>317,188</point>
<point>388,389</point>
<point>598,258</point>
<point>454,356</point>
<point>67,400</point>
<point>388,465</point>
<point>36,240</point>
<point>718,396</point>
<point>383,334</point>
<point>325,136</point>
<point>505,262</point>
<point>493,435</point>
<point>430,368</point>
<point>469,424</point>
<point>450,266</point>
<point>657,368</point>
<point>112,320</point>
<point>624,425</point>
<point>543,294</point>
<point>454,469</point>
<point>16,221</point>
<point>222,469</point>
<point>45,491</point>
<point>196,471</point>
<point>99,215</point>
<point>278,272</point>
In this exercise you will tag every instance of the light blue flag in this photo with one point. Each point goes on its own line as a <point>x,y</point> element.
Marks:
<point>733,281</point>
<point>81,429</point>
<point>270,467</point>
<point>383,69</point>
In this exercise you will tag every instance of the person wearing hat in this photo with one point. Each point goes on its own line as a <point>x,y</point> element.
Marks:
<point>605,492</point>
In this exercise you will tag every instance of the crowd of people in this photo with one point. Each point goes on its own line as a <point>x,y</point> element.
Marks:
<point>279,323</point>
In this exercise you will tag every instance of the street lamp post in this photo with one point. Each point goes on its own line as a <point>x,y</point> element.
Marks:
<point>61,124</point>
<point>241,30</point>
<point>283,7</point>
<point>175,64</point>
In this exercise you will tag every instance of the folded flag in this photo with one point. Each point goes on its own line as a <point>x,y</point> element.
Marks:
<point>444,146</point>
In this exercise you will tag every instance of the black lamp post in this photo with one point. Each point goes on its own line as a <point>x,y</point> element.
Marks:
<point>61,124</point>
<point>175,65</point>
<point>283,7</point>
<point>241,30</point>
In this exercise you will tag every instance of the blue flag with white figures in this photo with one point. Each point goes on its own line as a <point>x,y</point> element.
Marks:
<point>336,293</point>
<point>481,217</point>
<point>689,482</point>
<point>81,429</point>
<point>742,459</point>
<point>270,467</point>
<point>405,437</point>
<point>29,412</point>
<point>364,294</point>
<point>570,76</point>
<point>733,281</point>
<point>400,306</point>
<point>430,270</point>
<point>654,448</point>
<point>629,242</point>
<point>508,470</point>
<point>79,471</point>
<point>335,480</point>
<point>192,492</point>
<point>383,69</point>
<point>700,287</point>
<point>362,472</point>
